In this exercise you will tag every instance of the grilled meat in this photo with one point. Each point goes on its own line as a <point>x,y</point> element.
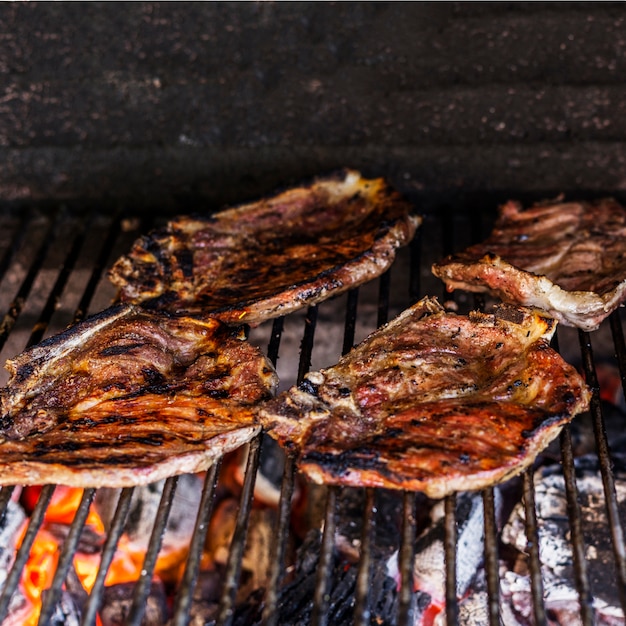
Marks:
<point>433,401</point>
<point>268,258</point>
<point>565,258</point>
<point>128,397</point>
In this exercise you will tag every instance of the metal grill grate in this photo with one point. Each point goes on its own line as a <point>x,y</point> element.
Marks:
<point>52,273</point>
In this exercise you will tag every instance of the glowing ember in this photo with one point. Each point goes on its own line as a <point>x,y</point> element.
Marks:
<point>39,570</point>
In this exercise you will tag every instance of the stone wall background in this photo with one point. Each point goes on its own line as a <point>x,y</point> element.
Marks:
<point>193,105</point>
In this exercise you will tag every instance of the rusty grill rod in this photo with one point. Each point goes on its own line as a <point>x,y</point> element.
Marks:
<point>450,538</point>
<point>34,524</point>
<point>98,268</point>
<point>192,567</point>
<point>235,555</point>
<point>142,588</point>
<point>70,546</point>
<point>608,481</point>
<point>277,564</point>
<point>106,558</point>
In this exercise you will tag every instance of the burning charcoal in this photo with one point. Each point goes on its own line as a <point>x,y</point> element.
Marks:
<point>117,600</point>
<point>269,475</point>
<point>206,596</point>
<point>143,511</point>
<point>296,598</point>
<point>90,541</point>
<point>473,610</point>
<point>555,550</point>
<point>257,554</point>
<point>561,602</point>
<point>145,504</point>
<point>11,523</point>
<point>429,565</point>
<point>66,613</point>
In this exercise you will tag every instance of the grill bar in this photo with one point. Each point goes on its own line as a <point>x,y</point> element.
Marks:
<point>67,555</point>
<point>108,552</point>
<point>17,241</point>
<point>451,540</point>
<point>142,589</point>
<point>34,524</point>
<point>532,536</point>
<point>192,567</point>
<point>233,567</point>
<point>61,227</point>
<point>362,610</point>
<point>575,521</point>
<point>406,604</point>
<point>608,481</point>
<point>491,557</point>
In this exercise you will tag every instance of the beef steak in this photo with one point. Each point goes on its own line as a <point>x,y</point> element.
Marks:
<point>433,401</point>
<point>128,397</point>
<point>271,257</point>
<point>567,258</point>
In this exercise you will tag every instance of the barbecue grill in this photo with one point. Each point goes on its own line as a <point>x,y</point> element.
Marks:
<point>63,283</point>
<point>176,109</point>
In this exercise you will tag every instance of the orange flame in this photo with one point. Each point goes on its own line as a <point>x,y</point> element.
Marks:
<point>39,570</point>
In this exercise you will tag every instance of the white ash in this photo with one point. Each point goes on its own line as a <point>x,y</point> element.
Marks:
<point>143,510</point>
<point>11,523</point>
<point>66,612</point>
<point>555,548</point>
<point>429,562</point>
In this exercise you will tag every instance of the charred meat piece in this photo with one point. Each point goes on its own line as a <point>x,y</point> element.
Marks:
<point>433,401</point>
<point>271,257</point>
<point>128,397</point>
<point>565,258</point>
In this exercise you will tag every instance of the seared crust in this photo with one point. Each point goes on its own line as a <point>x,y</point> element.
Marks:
<point>128,397</point>
<point>433,401</point>
<point>566,258</point>
<point>268,258</point>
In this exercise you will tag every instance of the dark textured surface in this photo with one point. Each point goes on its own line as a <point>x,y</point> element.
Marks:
<point>196,104</point>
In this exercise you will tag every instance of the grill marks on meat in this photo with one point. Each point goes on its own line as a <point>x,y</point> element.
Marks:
<point>270,257</point>
<point>128,397</point>
<point>568,259</point>
<point>433,401</point>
